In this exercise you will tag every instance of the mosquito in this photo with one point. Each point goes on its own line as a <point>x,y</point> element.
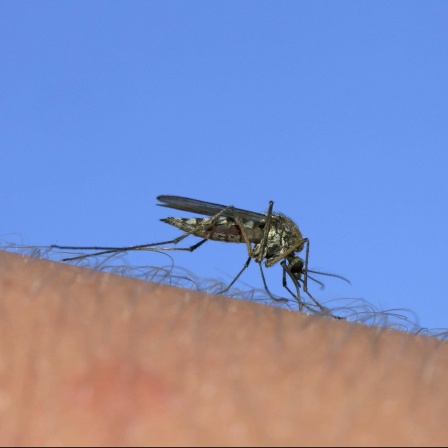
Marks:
<point>271,237</point>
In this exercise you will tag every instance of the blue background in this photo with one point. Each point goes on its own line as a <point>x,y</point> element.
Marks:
<point>337,111</point>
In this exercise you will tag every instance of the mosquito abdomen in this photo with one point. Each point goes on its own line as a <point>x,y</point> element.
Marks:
<point>226,229</point>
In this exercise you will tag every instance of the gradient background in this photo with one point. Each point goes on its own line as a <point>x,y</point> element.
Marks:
<point>337,111</point>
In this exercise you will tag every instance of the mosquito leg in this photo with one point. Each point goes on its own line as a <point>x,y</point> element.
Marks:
<point>250,250</point>
<point>208,224</point>
<point>264,241</point>
<point>305,270</point>
<point>107,250</point>
<point>213,220</point>
<point>247,241</point>
<point>195,246</point>
<point>81,257</point>
<point>296,284</point>
<point>242,229</point>
<point>147,247</point>
<point>305,276</point>
<point>261,253</point>
<point>314,300</point>
<point>151,247</point>
<point>237,277</point>
<point>211,223</point>
<point>118,249</point>
<point>286,270</point>
<point>297,297</point>
<point>277,299</point>
<point>244,236</point>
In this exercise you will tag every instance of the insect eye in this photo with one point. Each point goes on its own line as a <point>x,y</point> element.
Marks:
<point>296,265</point>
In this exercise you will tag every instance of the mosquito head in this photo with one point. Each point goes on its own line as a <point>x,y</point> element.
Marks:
<point>295,265</point>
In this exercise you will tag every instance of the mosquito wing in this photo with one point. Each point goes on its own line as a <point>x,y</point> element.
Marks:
<point>206,208</point>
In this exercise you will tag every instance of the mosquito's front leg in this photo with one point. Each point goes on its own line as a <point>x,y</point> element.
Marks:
<point>305,276</point>
<point>287,270</point>
<point>294,279</point>
<point>307,253</point>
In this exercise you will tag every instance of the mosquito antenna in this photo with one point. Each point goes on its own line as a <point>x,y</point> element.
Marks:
<point>322,286</point>
<point>330,275</point>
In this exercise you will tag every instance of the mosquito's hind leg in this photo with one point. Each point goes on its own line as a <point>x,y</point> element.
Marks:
<point>147,247</point>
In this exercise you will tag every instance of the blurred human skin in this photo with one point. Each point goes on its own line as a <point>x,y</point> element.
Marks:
<point>89,358</point>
